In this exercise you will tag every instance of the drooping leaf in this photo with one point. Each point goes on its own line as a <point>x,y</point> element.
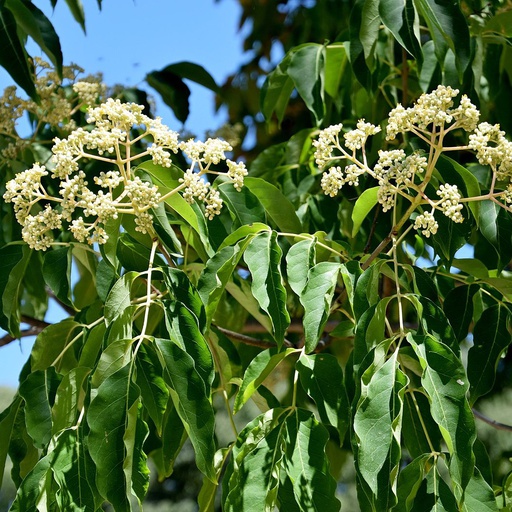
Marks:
<point>496,226</point>
<point>257,371</point>
<point>277,206</point>
<point>77,10</point>
<point>491,337</point>
<point>38,390</point>
<point>316,299</point>
<point>458,306</point>
<point>364,204</point>
<point>119,298</point>
<point>445,383</point>
<point>335,65</point>
<point>107,418</point>
<point>263,257</point>
<point>244,206</point>
<point>191,401</point>
<point>7,423</point>
<point>36,25</point>
<point>321,377</point>
<point>13,56</point>
<point>402,19</point>
<point>306,69</point>
<point>57,273</point>
<point>13,263</point>
<point>299,260</point>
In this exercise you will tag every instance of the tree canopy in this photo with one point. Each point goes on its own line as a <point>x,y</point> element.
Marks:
<point>292,305</point>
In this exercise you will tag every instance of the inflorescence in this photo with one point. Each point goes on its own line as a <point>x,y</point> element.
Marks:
<point>116,129</point>
<point>407,175</point>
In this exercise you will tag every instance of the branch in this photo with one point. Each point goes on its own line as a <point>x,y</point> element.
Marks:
<point>36,326</point>
<point>248,340</point>
<point>496,424</point>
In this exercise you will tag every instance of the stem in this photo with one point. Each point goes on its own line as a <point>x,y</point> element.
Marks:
<point>425,430</point>
<point>398,290</point>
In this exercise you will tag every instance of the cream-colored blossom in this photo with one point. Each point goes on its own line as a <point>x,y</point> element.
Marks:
<point>450,202</point>
<point>237,172</point>
<point>426,224</point>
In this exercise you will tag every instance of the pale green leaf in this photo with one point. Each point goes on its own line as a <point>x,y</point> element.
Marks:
<point>316,299</point>
<point>57,273</point>
<point>364,205</point>
<point>299,260</point>
<point>263,257</point>
<point>257,371</point>
<point>119,298</point>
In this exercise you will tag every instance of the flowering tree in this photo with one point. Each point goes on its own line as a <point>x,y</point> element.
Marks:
<point>197,284</point>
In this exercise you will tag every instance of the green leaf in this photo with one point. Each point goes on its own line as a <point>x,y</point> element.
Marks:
<point>7,425</point>
<point>496,226</point>
<point>257,371</point>
<point>445,383</point>
<point>242,232</point>
<point>299,260</point>
<point>364,204</point>
<point>479,495</point>
<point>77,10</point>
<point>316,299</point>
<point>13,56</point>
<point>263,257</point>
<point>244,206</point>
<point>174,92</point>
<point>280,446</point>
<point>184,331</point>
<point>36,25</point>
<point>410,480</point>
<point>193,72</point>
<point>134,256</point>
<point>306,69</point>
<point>458,306</point>
<point>57,273</point>
<point>191,401</point>
<point>335,66</point>
<point>277,206</point>
<point>119,298</point>
<point>491,337</point>
<point>372,419</point>
<point>321,377</point>
<point>73,472</point>
<point>448,27</point>
<point>153,389</point>
<point>450,237</point>
<point>306,464</point>
<point>107,418</point>
<point>206,498</point>
<point>38,391</point>
<point>13,263</point>
<point>364,25</point>
<point>276,91</point>
<point>402,20</point>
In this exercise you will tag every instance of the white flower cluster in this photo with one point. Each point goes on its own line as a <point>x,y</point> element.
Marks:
<point>396,171</point>
<point>117,190</point>
<point>89,92</point>
<point>493,149</point>
<point>335,178</point>
<point>450,202</point>
<point>434,109</point>
<point>426,223</point>
<point>356,139</point>
<point>204,155</point>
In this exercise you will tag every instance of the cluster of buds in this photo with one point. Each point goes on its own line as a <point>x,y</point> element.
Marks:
<point>117,128</point>
<point>401,174</point>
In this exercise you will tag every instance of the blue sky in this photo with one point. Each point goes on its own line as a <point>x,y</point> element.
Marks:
<point>125,44</point>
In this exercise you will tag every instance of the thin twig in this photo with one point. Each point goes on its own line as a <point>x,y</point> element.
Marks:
<point>36,326</point>
<point>248,340</point>
<point>496,424</point>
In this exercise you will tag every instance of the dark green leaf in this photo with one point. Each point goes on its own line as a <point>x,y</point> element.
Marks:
<point>57,273</point>
<point>191,401</point>
<point>335,66</point>
<point>193,72</point>
<point>107,418</point>
<point>458,306</point>
<point>38,391</point>
<point>299,260</point>
<point>244,206</point>
<point>36,25</point>
<point>13,263</point>
<point>77,10</point>
<point>490,338</point>
<point>496,226</point>
<point>277,206</point>
<point>321,377</point>
<point>402,20</point>
<point>306,69</point>
<point>174,92</point>
<point>13,56</point>
<point>7,423</point>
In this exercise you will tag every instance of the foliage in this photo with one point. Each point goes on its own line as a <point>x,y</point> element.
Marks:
<point>323,283</point>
